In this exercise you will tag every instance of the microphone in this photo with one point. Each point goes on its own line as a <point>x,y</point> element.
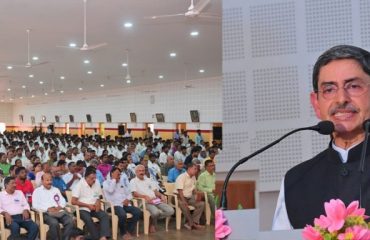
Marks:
<point>323,127</point>
<point>366,127</point>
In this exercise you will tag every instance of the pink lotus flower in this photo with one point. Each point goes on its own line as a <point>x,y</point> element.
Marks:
<point>310,233</point>
<point>353,210</point>
<point>222,230</point>
<point>339,223</point>
<point>355,233</point>
<point>336,213</point>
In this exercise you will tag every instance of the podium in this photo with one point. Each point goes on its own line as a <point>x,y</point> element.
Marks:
<point>245,226</point>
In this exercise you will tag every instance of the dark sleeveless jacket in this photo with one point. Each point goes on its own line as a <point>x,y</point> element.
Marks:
<point>324,177</point>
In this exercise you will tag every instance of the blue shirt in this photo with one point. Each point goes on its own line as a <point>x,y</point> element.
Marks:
<point>173,173</point>
<point>59,183</point>
<point>100,177</point>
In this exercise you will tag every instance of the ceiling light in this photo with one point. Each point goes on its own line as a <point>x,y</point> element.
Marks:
<point>23,86</point>
<point>46,94</point>
<point>41,82</point>
<point>173,54</point>
<point>73,45</point>
<point>160,76</point>
<point>86,61</point>
<point>127,25</point>
<point>20,97</point>
<point>35,58</point>
<point>101,85</point>
<point>30,76</point>
<point>124,65</point>
<point>10,99</point>
<point>61,91</point>
<point>80,89</point>
<point>9,89</point>
<point>62,77</point>
<point>89,72</point>
<point>9,67</point>
<point>128,81</point>
<point>194,33</point>
<point>32,96</point>
<point>2,100</point>
<point>201,70</point>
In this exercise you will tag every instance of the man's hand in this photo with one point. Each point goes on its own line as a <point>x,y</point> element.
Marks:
<point>8,218</point>
<point>26,214</point>
<point>97,206</point>
<point>75,176</point>
<point>126,202</point>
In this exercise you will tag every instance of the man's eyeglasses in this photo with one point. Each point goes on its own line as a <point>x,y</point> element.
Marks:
<point>352,88</point>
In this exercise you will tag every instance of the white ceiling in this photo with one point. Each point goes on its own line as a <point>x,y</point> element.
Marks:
<point>59,22</point>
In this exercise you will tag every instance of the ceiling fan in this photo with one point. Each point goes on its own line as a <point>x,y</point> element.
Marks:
<point>192,12</point>
<point>85,46</point>
<point>28,64</point>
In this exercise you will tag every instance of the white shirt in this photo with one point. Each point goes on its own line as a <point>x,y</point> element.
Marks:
<point>144,187</point>
<point>117,192</point>
<point>163,158</point>
<point>68,177</point>
<point>186,184</point>
<point>43,198</point>
<point>179,156</point>
<point>281,219</point>
<point>154,166</point>
<point>87,194</point>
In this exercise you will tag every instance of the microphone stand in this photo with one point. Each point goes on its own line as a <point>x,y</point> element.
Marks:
<point>362,160</point>
<point>243,160</point>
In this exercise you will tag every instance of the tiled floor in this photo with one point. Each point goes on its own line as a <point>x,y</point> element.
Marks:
<point>183,234</point>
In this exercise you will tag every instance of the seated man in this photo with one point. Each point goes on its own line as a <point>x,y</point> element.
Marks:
<point>72,177</point>
<point>117,191</point>
<point>174,172</point>
<point>185,189</point>
<point>15,209</point>
<point>207,183</point>
<point>86,195</point>
<point>143,187</point>
<point>58,181</point>
<point>51,202</point>
<point>23,184</point>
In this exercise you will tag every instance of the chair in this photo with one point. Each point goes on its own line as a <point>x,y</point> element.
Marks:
<point>114,218</point>
<point>207,209</point>
<point>164,178</point>
<point>140,203</point>
<point>174,202</point>
<point>5,233</point>
<point>43,227</point>
<point>80,224</point>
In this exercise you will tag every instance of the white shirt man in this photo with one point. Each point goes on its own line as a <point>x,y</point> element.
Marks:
<point>143,187</point>
<point>51,202</point>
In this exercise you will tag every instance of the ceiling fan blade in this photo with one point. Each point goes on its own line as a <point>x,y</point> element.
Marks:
<point>60,46</point>
<point>164,16</point>
<point>41,63</point>
<point>92,47</point>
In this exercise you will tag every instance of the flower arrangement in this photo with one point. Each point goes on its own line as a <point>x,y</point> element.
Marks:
<point>340,223</point>
<point>222,229</point>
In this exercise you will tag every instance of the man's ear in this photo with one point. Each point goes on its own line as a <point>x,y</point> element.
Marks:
<point>315,104</point>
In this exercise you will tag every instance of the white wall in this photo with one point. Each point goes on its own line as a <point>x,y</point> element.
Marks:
<point>6,114</point>
<point>174,100</point>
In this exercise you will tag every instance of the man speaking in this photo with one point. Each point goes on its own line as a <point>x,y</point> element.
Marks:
<point>341,79</point>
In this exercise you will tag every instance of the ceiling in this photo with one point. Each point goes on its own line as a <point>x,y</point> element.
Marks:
<point>148,42</point>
